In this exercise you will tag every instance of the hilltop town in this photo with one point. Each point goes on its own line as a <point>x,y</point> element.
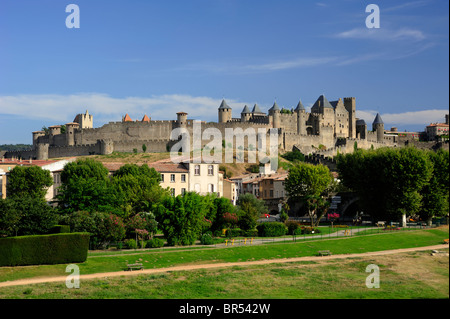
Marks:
<point>329,127</point>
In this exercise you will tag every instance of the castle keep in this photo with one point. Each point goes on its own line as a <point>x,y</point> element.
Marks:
<point>331,126</point>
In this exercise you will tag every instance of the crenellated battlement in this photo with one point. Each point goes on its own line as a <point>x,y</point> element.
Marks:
<point>327,126</point>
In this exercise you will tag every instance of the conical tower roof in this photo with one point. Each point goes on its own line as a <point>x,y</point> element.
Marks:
<point>300,106</point>
<point>224,105</point>
<point>246,110</point>
<point>377,120</point>
<point>256,109</point>
<point>127,118</point>
<point>274,107</point>
<point>145,118</point>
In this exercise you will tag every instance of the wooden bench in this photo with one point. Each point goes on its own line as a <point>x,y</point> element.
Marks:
<point>324,253</point>
<point>136,266</point>
<point>381,223</point>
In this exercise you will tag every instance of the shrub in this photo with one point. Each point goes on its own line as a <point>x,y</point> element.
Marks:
<point>44,249</point>
<point>234,232</point>
<point>130,243</point>
<point>292,226</point>
<point>207,239</point>
<point>271,229</point>
<point>250,233</point>
<point>155,243</point>
<point>309,230</point>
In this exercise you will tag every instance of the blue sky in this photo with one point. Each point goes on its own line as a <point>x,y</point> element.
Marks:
<point>161,57</point>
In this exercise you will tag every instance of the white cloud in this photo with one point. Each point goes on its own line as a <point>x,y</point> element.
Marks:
<point>383,34</point>
<point>424,117</point>
<point>276,65</point>
<point>413,4</point>
<point>290,64</point>
<point>63,108</point>
<point>105,108</point>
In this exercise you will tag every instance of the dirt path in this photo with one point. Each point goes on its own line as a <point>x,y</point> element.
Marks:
<point>215,265</point>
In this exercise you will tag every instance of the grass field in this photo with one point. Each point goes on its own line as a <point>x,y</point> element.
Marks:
<point>412,275</point>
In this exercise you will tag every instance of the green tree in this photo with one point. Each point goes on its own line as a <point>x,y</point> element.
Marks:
<point>181,218</point>
<point>435,194</point>
<point>222,205</point>
<point>36,216</point>
<point>250,209</point>
<point>137,188</point>
<point>388,181</point>
<point>310,184</point>
<point>103,227</point>
<point>294,155</point>
<point>86,187</point>
<point>9,218</point>
<point>28,181</point>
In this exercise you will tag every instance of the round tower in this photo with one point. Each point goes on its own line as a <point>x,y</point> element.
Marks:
<point>182,119</point>
<point>274,111</point>
<point>70,132</point>
<point>36,136</point>
<point>42,151</point>
<point>53,131</point>
<point>378,126</point>
<point>245,114</point>
<point>301,118</point>
<point>224,112</point>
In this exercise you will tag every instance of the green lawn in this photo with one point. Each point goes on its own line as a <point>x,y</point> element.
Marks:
<point>332,279</point>
<point>158,258</point>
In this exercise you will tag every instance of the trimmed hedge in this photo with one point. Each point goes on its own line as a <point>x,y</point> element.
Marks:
<point>44,249</point>
<point>271,229</point>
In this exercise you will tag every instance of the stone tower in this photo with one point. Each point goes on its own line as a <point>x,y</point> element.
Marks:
<point>42,151</point>
<point>350,106</point>
<point>361,129</point>
<point>224,112</point>
<point>85,120</point>
<point>36,136</point>
<point>70,133</point>
<point>106,146</point>
<point>274,111</point>
<point>245,114</point>
<point>182,119</point>
<point>53,131</point>
<point>378,126</point>
<point>301,118</point>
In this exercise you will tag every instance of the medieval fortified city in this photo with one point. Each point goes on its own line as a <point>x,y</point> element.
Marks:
<point>225,206</point>
<point>329,127</point>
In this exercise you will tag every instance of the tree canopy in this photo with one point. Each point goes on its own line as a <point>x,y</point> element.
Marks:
<point>181,218</point>
<point>28,181</point>
<point>310,184</point>
<point>86,187</point>
<point>394,182</point>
